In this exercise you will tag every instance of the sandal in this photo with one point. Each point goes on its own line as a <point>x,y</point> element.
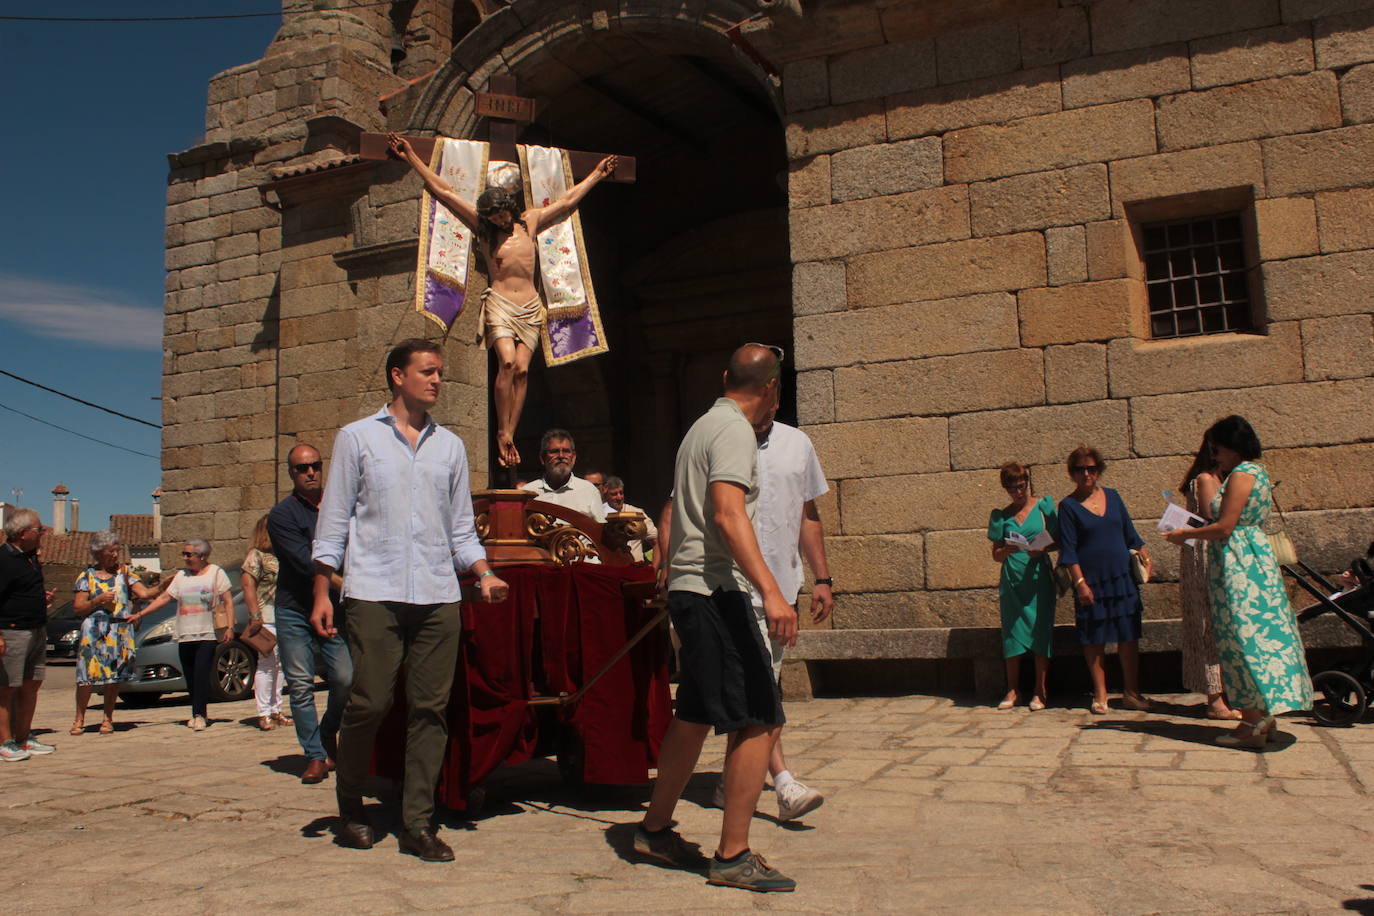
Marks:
<point>1098,709</point>
<point>107,727</point>
<point>1230,715</point>
<point>1257,738</point>
<point>1036,704</point>
<point>78,727</point>
<point>1136,702</point>
<point>266,724</point>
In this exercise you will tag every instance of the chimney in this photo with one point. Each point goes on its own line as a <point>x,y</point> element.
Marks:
<point>76,514</point>
<point>157,516</point>
<point>59,509</point>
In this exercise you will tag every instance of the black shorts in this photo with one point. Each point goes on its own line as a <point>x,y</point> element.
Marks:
<point>726,679</point>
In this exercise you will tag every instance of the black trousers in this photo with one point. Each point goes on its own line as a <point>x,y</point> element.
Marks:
<point>198,666</point>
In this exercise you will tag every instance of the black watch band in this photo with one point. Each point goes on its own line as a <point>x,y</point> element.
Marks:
<point>826,581</point>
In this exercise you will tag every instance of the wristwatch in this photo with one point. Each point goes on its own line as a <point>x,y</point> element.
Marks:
<point>826,581</point>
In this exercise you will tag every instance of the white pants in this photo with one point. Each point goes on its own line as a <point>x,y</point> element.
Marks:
<point>775,648</point>
<point>268,681</point>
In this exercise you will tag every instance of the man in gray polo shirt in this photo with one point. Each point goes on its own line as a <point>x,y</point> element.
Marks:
<point>726,680</point>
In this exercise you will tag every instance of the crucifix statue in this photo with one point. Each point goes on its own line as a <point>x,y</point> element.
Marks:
<point>509,233</point>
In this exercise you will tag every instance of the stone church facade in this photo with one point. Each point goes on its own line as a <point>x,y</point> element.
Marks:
<point>984,231</point>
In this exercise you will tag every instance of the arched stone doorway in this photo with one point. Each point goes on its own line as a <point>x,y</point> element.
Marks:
<point>689,262</point>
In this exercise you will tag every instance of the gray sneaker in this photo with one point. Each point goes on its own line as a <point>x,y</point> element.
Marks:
<point>749,871</point>
<point>667,847</point>
<point>37,747</point>
<point>10,752</point>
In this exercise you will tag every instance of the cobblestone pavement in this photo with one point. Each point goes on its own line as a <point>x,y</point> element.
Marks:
<point>932,805</point>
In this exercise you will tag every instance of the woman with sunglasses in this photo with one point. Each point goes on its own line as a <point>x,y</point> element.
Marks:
<point>198,590</point>
<point>1096,537</point>
<point>1201,669</point>
<point>1262,663</point>
<point>1026,586</point>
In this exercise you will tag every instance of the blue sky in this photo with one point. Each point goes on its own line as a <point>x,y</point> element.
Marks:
<point>90,111</point>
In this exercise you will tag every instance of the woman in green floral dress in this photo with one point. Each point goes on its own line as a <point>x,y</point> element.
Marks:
<point>1262,662</point>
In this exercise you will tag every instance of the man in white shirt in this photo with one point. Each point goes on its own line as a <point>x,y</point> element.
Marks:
<point>615,502</point>
<point>558,455</point>
<point>788,526</point>
<point>398,502</point>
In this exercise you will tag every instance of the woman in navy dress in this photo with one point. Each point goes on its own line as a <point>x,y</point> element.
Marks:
<point>1096,537</point>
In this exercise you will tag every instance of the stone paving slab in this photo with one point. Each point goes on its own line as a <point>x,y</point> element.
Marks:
<point>932,805</point>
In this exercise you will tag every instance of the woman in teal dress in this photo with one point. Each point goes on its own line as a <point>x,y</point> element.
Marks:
<point>1027,583</point>
<point>1262,663</point>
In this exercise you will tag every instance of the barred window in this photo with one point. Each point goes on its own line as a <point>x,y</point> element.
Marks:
<point>1195,274</point>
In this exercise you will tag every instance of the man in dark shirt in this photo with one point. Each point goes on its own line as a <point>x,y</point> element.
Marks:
<point>23,635</point>
<point>291,526</point>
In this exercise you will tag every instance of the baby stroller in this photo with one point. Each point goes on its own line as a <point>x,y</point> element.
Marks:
<point>1342,694</point>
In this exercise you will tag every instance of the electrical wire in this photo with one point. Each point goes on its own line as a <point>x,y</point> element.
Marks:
<point>205,18</point>
<point>72,397</point>
<point>75,433</point>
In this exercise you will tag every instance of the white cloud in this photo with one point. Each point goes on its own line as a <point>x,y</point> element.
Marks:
<point>66,311</point>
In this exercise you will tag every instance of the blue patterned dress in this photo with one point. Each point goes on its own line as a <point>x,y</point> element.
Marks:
<point>106,652</point>
<point>1262,661</point>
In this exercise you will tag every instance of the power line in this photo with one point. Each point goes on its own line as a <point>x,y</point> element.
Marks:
<point>206,18</point>
<point>71,397</point>
<point>75,433</point>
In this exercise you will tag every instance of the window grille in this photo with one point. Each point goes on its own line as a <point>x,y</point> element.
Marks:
<point>1195,275</point>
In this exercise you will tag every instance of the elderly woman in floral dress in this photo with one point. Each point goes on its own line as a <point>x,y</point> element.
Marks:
<point>105,655</point>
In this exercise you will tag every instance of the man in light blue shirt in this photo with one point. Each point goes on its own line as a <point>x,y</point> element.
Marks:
<point>398,502</point>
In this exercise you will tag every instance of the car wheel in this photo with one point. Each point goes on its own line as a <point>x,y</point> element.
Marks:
<point>140,700</point>
<point>234,668</point>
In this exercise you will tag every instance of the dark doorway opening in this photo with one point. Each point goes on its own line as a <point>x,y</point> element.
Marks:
<point>688,263</point>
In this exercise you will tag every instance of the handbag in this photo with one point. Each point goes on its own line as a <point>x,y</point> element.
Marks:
<point>1285,554</point>
<point>258,638</point>
<point>1139,571</point>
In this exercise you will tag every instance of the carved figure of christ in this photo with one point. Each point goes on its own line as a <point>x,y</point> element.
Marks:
<point>506,232</point>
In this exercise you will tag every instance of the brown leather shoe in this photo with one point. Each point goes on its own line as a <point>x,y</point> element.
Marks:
<point>425,845</point>
<point>316,771</point>
<point>353,831</point>
<point>329,764</point>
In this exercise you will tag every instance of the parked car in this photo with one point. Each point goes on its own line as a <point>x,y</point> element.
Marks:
<point>158,665</point>
<point>64,631</point>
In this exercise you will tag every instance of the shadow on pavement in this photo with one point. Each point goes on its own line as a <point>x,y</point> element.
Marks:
<point>290,764</point>
<point>1362,904</point>
<point>621,839</point>
<point>1186,731</point>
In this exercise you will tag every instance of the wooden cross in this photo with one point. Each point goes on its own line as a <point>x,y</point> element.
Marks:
<point>504,111</point>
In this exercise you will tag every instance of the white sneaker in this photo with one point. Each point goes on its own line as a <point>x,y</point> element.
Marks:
<point>36,747</point>
<point>796,799</point>
<point>10,752</point>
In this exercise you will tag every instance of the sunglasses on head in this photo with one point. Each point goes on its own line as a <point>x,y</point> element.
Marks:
<point>308,466</point>
<point>1086,469</point>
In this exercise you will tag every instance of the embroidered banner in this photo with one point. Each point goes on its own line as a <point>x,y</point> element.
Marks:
<point>445,257</point>
<point>573,329</point>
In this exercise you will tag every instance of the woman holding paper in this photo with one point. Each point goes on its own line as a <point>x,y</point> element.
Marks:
<point>1201,668</point>
<point>1096,537</point>
<point>1262,663</point>
<point>1022,534</point>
